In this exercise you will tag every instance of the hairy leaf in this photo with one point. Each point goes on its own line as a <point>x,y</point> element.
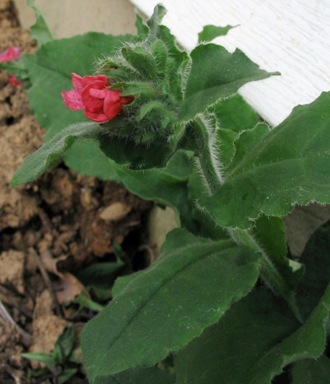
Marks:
<point>209,275</point>
<point>51,153</point>
<point>270,332</point>
<point>289,166</point>
<point>259,349</point>
<point>308,341</point>
<point>216,74</point>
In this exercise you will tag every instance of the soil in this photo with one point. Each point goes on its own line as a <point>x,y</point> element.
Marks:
<point>49,230</point>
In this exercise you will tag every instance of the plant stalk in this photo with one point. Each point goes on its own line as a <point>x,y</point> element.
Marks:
<point>210,169</point>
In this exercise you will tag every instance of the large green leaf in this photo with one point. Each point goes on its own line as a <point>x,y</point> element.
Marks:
<point>216,74</point>
<point>308,341</point>
<point>289,165</point>
<point>260,335</point>
<point>252,343</point>
<point>161,309</point>
<point>51,153</point>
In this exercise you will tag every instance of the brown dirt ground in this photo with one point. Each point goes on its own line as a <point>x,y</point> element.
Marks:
<point>49,229</point>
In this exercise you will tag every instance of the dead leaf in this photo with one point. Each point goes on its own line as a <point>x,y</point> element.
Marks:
<point>68,287</point>
<point>115,211</point>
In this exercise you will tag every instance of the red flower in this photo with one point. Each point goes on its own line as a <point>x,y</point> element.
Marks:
<point>13,80</point>
<point>91,93</point>
<point>12,53</point>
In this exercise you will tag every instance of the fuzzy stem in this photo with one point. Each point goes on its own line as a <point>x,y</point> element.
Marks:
<point>205,140</point>
<point>269,273</point>
<point>210,168</point>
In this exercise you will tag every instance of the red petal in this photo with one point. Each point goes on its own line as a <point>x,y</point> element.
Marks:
<point>97,117</point>
<point>10,54</point>
<point>77,82</point>
<point>98,93</point>
<point>92,80</point>
<point>112,105</point>
<point>91,103</point>
<point>72,100</point>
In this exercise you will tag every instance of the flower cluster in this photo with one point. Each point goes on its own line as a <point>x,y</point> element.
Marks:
<point>92,94</point>
<point>10,54</point>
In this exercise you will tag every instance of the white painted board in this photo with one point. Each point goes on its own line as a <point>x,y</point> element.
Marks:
<point>289,36</point>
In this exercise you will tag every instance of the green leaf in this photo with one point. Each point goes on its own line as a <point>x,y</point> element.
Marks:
<point>307,342</point>
<point>289,166</point>
<point>17,68</point>
<point>85,302</point>
<point>216,74</point>
<point>255,340</point>
<point>127,152</point>
<point>141,26</point>
<point>41,358</point>
<point>317,269</point>
<point>247,141</point>
<point>148,318</point>
<point>311,371</point>
<point>210,32</point>
<point>64,344</point>
<point>142,61</point>
<point>270,234</point>
<point>66,375</point>
<point>166,186</point>
<point>154,21</point>
<point>99,278</point>
<point>39,31</point>
<point>85,157</point>
<point>51,153</point>
<point>140,376</point>
<point>235,114</point>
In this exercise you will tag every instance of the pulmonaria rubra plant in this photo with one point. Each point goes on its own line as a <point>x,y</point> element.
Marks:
<point>92,94</point>
<point>225,302</point>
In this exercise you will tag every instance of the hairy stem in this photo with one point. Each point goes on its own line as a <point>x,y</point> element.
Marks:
<point>269,273</point>
<point>208,161</point>
<point>210,169</point>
